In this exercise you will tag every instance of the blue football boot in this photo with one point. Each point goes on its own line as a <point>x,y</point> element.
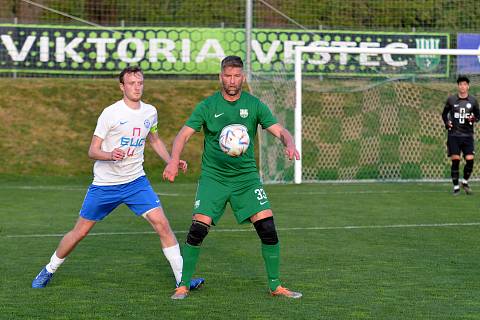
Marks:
<point>195,283</point>
<point>42,279</point>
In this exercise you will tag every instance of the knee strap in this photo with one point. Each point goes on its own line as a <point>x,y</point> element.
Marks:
<point>266,231</point>
<point>198,232</point>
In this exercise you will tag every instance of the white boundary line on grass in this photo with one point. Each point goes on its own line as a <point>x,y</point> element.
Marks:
<point>423,225</point>
<point>166,194</point>
<point>70,188</point>
<point>361,192</point>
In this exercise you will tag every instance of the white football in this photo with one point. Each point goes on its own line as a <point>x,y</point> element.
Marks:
<point>234,140</point>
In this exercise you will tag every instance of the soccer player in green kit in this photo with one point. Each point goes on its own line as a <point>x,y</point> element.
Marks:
<point>230,179</point>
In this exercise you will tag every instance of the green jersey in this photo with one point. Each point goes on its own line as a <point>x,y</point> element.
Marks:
<point>215,113</point>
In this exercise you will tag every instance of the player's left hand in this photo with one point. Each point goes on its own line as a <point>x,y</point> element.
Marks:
<point>182,165</point>
<point>472,119</point>
<point>291,152</point>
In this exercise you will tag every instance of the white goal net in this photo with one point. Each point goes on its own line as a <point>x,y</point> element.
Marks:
<point>373,114</point>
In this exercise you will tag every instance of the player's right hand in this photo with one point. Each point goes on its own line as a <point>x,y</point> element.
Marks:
<point>171,171</point>
<point>449,125</point>
<point>117,154</point>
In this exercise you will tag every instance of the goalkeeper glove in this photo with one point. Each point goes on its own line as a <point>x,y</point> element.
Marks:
<point>472,119</point>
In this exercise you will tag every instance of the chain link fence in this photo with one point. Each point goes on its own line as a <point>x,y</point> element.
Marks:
<point>188,38</point>
<point>395,15</point>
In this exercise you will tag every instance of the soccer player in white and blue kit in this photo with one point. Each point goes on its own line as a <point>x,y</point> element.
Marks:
<point>117,146</point>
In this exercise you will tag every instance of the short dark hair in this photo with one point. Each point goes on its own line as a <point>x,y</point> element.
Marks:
<point>129,69</point>
<point>463,78</point>
<point>232,61</point>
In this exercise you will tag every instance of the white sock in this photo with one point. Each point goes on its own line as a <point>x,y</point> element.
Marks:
<point>176,261</point>
<point>464,181</point>
<point>55,262</point>
<point>456,187</point>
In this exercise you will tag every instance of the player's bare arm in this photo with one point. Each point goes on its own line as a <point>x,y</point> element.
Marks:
<point>286,138</point>
<point>171,170</point>
<point>159,147</point>
<point>95,151</point>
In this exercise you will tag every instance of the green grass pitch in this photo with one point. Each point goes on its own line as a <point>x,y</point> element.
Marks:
<point>356,251</point>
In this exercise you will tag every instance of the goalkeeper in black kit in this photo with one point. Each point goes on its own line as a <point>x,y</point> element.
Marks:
<point>459,115</point>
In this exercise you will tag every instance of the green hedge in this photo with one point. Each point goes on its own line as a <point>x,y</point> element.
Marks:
<point>403,15</point>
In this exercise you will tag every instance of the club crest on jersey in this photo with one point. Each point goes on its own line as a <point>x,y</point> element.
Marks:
<point>243,113</point>
<point>469,105</point>
<point>147,124</point>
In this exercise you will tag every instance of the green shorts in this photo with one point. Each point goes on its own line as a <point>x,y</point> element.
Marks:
<point>246,198</point>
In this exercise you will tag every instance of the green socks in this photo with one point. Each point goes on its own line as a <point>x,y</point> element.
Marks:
<point>190,258</point>
<point>271,256</point>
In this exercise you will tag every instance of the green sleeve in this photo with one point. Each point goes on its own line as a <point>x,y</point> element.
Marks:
<point>265,116</point>
<point>197,118</point>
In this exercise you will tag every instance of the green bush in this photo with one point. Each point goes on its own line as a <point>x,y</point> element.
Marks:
<point>396,15</point>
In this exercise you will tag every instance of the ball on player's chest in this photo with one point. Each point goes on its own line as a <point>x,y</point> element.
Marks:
<point>234,140</point>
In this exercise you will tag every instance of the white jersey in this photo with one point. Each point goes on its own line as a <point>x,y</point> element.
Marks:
<point>122,127</point>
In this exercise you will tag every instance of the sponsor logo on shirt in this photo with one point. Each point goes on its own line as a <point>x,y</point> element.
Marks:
<point>132,142</point>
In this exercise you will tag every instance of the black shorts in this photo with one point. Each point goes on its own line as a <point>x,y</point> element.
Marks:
<point>458,145</point>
